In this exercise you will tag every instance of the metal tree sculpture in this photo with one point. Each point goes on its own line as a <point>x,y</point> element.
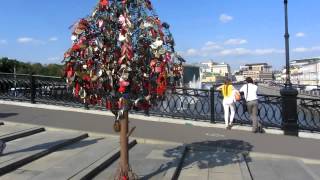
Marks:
<point>123,58</point>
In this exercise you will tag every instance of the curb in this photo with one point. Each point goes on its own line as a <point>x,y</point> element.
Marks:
<point>95,134</point>
<point>21,134</point>
<point>100,165</point>
<point>278,156</point>
<point>27,159</point>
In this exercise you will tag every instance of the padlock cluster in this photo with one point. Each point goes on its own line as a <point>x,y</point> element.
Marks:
<point>122,56</point>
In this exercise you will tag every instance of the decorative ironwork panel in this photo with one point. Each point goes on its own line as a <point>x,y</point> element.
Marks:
<point>309,114</point>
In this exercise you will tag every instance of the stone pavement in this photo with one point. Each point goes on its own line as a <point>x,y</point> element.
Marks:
<point>52,154</point>
<point>178,131</point>
<point>40,145</point>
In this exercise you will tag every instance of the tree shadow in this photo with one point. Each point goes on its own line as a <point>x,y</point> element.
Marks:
<point>5,115</point>
<point>204,155</point>
<point>45,146</point>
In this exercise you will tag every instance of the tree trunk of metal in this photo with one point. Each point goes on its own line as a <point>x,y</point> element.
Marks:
<point>124,152</point>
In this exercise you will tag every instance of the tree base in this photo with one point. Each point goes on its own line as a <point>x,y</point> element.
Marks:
<point>125,174</point>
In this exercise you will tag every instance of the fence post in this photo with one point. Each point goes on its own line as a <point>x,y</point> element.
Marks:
<point>212,117</point>
<point>86,105</point>
<point>289,111</point>
<point>32,89</point>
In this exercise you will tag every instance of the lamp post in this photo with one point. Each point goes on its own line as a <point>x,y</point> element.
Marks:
<point>287,36</point>
<point>288,93</point>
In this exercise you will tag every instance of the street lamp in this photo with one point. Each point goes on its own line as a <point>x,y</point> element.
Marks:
<point>288,93</point>
<point>286,36</point>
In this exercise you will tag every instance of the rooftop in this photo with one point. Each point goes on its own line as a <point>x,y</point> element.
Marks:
<point>306,60</point>
<point>257,64</point>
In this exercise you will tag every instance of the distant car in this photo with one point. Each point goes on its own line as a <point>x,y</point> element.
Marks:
<point>315,90</point>
<point>272,83</point>
<point>310,88</point>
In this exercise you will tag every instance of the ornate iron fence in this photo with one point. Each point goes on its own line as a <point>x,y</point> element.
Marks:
<point>185,103</point>
<point>33,88</point>
<point>309,114</point>
<point>269,111</point>
<point>194,104</point>
<point>15,87</point>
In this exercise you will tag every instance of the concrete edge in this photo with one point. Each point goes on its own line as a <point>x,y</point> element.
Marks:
<point>267,155</point>
<point>308,170</point>
<point>21,134</point>
<point>155,119</point>
<point>244,168</point>
<point>174,175</point>
<point>95,134</point>
<point>95,168</point>
<point>17,163</point>
<point>279,156</point>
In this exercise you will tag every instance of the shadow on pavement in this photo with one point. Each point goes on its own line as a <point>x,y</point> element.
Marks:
<point>5,115</point>
<point>204,155</point>
<point>44,146</point>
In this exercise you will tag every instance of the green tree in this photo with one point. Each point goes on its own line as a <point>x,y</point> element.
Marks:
<point>7,66</point>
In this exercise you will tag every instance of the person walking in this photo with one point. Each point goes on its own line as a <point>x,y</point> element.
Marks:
<point>250,94</point>
<point>228,92</point>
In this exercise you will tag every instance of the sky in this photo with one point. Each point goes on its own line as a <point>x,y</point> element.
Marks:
<point>231,31</point>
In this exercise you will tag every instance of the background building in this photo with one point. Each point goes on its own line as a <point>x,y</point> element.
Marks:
<point>304,71</point>
<point>212,72</point>
<point>239,76</point>
<point>278,77</point>
<point>257,71</point>
<point>310,74</point>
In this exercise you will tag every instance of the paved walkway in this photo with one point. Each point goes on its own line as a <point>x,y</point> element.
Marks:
<point>39,153</point>
<point>260,143</point>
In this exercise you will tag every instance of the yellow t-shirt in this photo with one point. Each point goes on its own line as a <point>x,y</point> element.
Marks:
<point>227,90</point>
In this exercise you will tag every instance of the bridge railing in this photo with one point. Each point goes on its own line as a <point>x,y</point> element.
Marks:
<point>269,111</point>
<point>194,104</point>
<point>309,114</point>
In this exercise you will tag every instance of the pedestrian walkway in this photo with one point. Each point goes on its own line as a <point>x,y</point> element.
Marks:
<point>54,154</point>
<point>162,131</point>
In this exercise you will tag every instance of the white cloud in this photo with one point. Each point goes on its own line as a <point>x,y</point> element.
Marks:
<point>53,39</point>
<point>191,52</point>
<point>235,42</point>
<point>304,49</point>
<point>213,49</point>
<point>210,43</point>
<point>54,59</point>
<point>211,46</point>
<point>316,48</point>
<point>300,34</point>
<point>234,52</point>
<point>30,40</point>
<point>267,51</point>
<point>252,52</point>
<point>224,18</point>
<point>300,49</point>
<point>24,40</point>
<point>3,41</point>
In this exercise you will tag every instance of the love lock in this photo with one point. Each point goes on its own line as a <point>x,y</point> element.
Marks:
<point>117,126</point>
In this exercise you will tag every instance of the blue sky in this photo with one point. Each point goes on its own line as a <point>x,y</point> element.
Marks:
<point>232,31</point>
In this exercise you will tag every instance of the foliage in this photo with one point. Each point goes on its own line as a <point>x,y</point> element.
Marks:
<point>7,66</point>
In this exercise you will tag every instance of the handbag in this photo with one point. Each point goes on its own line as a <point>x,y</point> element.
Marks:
<point>237,96</point>
<point>244,101</point>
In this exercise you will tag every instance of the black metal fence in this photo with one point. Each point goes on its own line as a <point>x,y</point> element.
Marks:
<point>193,104</point>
